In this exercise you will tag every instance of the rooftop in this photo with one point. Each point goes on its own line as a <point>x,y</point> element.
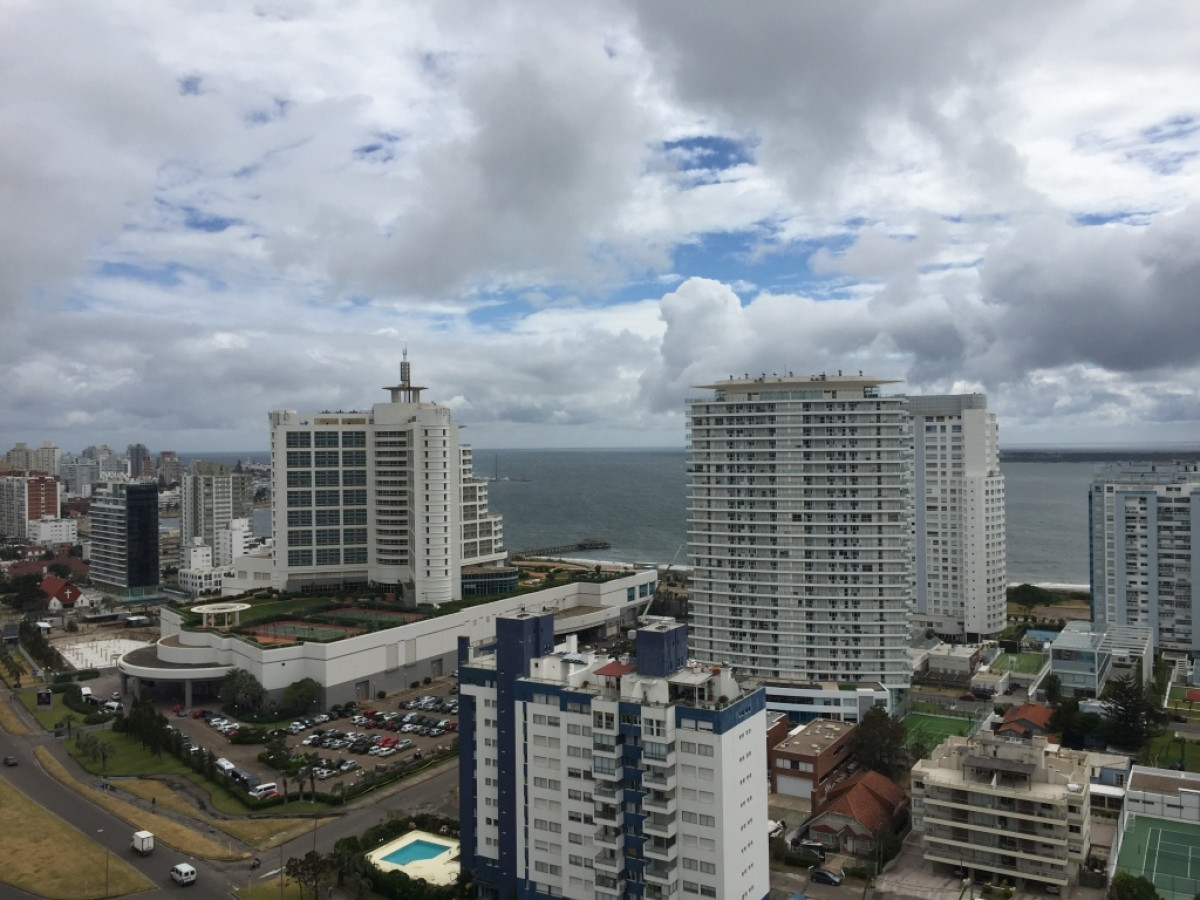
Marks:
<point>815,737</point>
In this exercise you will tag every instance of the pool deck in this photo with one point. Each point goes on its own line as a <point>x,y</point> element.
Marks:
<point>441,869</point>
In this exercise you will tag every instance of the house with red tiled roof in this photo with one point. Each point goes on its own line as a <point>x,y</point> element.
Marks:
<point>860,811</point>
<point>1025,721</point>
<point>61,593</point>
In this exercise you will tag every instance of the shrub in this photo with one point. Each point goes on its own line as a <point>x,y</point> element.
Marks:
<point>426,680</point>
<point>415,685</point>
<point>381,694</point>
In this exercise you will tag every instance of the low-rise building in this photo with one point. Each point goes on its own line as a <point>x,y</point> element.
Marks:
<point>1004,809</point>
<point>1025,721</point>
<point>859,812</point>
<point>954,660</point>
<point>1086,657</point>
<point>804,762</point>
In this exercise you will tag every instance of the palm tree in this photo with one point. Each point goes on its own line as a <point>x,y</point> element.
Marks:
<point>69,719</point>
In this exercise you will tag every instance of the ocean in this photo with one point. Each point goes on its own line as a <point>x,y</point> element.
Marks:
<point>637,500</point>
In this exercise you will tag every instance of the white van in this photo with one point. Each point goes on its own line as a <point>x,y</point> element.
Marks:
<point>261,790</point>
<point>224,766</point>
<point>182,873</point>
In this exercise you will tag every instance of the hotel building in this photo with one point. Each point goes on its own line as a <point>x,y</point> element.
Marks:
<point>800,519</point>
<point>384,498</point>
<point>1143,518</point>
<point>585,776</point>
<point>959,517</point>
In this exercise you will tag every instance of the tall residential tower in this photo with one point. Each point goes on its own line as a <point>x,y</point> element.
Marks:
<point>211,496</point>
<point>959,517</point>
<point>800,532</point>
<point>1144,521</point>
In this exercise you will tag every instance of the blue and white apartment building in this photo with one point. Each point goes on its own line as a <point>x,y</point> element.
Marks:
<point>586,776</point>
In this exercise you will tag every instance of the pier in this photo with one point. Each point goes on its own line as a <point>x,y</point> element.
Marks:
<point>585,544</point>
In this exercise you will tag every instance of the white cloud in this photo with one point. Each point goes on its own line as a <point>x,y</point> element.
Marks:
<point>212,211</point>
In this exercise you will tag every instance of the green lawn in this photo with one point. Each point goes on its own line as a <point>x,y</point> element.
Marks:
<point>49,717</point>
<point>1020,663</point>
<point>935,728</point>
<point>1163,750</point>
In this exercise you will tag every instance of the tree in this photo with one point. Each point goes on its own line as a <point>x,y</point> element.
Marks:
<point>68,720</point>
<point>1131,887</point>
<point>301,696</point>
<point>1135,714</point>
<point>1028,596</point>
<point>62,570</point>
<point>310,871</point>
<point>880,743</point>
<point>1053,688</point>
<point>241,692</point>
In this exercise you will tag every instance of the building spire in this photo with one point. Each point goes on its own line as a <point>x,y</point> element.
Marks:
<point>405,392</point>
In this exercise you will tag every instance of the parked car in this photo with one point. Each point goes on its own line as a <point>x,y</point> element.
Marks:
<point>825,876</point>
<point>10,760</point>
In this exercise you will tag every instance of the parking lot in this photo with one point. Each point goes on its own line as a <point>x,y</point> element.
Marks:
<point>343,741</point>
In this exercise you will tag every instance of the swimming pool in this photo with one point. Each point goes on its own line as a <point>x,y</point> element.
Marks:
<point>414,851</point>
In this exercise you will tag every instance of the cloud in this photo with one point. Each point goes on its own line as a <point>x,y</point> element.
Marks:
<point>572,215</point>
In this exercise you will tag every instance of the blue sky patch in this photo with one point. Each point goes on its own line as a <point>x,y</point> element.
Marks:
<point>198,221</point>
<point>709,152</point>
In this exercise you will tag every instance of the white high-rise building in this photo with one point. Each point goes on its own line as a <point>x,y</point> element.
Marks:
<point>382,497</point>
<point>800,534</point>
<point>1144,519</point>
<point>586,776</point>
<point>959,517</point>
<point>211,496</point>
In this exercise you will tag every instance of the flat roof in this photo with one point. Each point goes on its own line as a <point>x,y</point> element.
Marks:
<point>995,764</point>
<point>816,736</point>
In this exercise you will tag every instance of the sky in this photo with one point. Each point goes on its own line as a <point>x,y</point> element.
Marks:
<point>572,214</point>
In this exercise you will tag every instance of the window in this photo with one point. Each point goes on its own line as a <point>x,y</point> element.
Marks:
<point>328,517</point>
<point>300,557</point>
<point>355,555</point>
<point>327,557</point>
<point>354,517</point>
<point>354,498</point>
<point>354,458</point>
<point>297,518</point>
<point>354,478</point>
<point>327,459</point>
<point>299,479</point>
<point>327,478</point>
<point>298,439</point>
<point>299,538</point>
<point>354,439</point>
<point>299,459</point>
<point>325,439</point>
<point>299,498</point>
<point>327,537</point>
<point>327,498</point>
<point>354,536</point>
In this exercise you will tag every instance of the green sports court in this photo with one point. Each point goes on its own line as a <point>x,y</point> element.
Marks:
<point>1166,852</point>
<point>934,728</point>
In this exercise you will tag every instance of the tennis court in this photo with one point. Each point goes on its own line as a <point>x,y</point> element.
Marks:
<point>292,631</point>
<point>369,616</point>
<point>1164,851</point>
<point>934,729</point>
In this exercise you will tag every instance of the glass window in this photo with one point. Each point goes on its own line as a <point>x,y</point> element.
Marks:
<point>354,536</point>
<point>353,498</point>
<point>354,517</point>
<point>327,498</point>
<point>299,498</point>
<point>300,557</point>
<point>329,517</point>
<point>298,439</point>
<point>299,538</point>
<point>327,459</point>
<point>325,439</point>
<point>329,557</point>
<point>354,439</point>
<point>299,459</point>
<point>328,536</point>
<point>355,555</point>
<point>298,518</point>
<point>354,457</point>
<point>299,478</point>
<point>354,478</point>
<point>328,478</point>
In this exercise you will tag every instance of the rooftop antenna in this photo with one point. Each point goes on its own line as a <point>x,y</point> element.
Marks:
<point>405,391</point>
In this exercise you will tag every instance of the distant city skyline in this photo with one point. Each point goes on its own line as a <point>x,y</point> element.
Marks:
<point>572,215</point>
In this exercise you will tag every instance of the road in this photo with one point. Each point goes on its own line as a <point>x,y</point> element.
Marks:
<point>434,791</point>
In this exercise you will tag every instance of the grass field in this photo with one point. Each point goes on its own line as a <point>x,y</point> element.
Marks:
<point>1020,663</point>
<point>1164,749</point>
<point>934,729</point>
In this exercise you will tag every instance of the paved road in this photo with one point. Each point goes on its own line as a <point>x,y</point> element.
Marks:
<point>433,791</point>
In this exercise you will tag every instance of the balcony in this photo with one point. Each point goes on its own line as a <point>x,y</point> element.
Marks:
<point>661,801</point>
<point>664,826</point>
<point>608,862</point>
<point>659,873</point>
<point>664,850</point>
<point>608,837</point>
<point>606,814</point>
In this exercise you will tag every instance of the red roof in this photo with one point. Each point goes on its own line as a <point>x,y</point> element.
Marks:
<point>870,799</point>
<point>60,588</point>
<point>1026,720</point>
<point>615,669</point>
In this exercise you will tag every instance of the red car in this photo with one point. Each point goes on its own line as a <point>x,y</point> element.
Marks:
<point>200,713</point>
